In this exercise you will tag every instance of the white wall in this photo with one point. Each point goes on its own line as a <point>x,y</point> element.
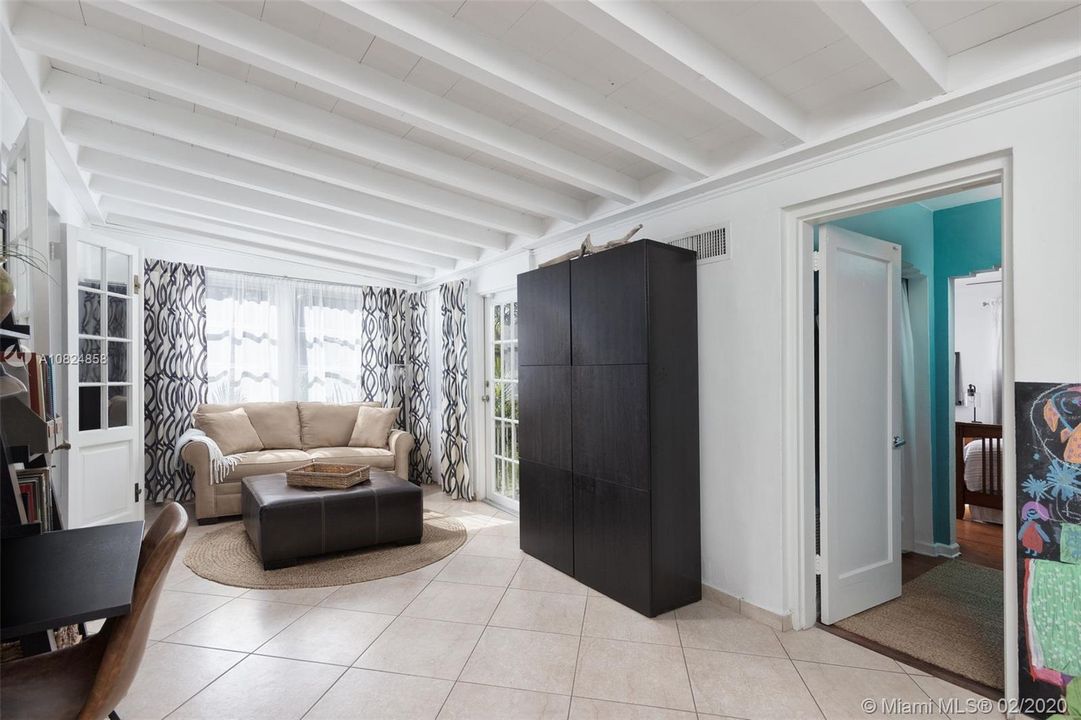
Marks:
<point>740,301</point>
<point>975,335</point>
<point>61,199</point>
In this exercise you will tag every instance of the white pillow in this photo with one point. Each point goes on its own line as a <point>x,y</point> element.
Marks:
<point>373,427</point>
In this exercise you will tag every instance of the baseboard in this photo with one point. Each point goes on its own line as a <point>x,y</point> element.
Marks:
<point>766,617</point>
<point>950,550</point>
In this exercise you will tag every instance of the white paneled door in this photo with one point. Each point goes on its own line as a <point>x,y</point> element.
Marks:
<point>104,330</point>
<point>501,398</point>
<point>859,421</point>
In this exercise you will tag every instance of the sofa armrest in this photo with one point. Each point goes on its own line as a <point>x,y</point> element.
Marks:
<point>400,443</point>
<point>197,456</point>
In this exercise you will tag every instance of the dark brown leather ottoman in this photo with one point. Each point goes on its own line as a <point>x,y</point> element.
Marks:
<point>287,523</point>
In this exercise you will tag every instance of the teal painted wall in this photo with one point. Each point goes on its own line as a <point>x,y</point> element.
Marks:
<point>944,244</point>
<point>968,239</point>
<point>910,226</point>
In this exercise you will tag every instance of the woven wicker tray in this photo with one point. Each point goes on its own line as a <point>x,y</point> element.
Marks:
<point>327,475</point>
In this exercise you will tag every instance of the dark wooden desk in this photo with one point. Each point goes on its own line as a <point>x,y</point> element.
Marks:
<point>67,577</point>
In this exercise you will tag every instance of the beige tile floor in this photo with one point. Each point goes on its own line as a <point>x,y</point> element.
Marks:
<point>488,633</point>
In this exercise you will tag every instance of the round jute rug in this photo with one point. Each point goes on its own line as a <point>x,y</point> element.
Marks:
<point>226,556</point>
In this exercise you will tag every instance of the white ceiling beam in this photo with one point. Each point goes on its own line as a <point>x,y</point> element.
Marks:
<point>103,101</point>
<point>150,236</point>
<point>92,132</point>
<point>99,162</point>
<point>264,223</point>
<point>671,48</point>
<point>28,92</point>
<point>432,34</point>
<point>97,50</point>
<point>896,40</point>
<point>245,38</point>
<point>291,251</point>
<point>114,205</point>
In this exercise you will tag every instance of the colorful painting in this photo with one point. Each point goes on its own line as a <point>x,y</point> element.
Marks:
<point>1048,537</point>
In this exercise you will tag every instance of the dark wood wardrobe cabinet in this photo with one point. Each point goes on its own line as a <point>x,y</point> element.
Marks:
<point>608,413</point>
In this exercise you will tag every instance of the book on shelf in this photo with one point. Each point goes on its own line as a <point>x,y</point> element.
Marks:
<point>30,492</point>
<point>35,489</point>
<point>38,373</point>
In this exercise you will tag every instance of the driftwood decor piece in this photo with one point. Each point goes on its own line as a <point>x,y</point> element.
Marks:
<point>588,248</point>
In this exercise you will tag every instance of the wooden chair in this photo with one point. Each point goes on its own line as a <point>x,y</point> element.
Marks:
<point>87,681</point>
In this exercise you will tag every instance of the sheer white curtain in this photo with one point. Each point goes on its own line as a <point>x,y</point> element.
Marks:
<point>243,314</point>
<point>330,342</point>
<point>908,419</point>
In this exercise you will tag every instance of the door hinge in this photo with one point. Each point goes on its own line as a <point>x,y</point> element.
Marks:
<point>816,260</point>
<point>818,564</point>
<point>138,491</point>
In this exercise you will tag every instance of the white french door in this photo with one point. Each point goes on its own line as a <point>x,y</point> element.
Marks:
<point>859,421</point>
<point>501,399</point>
<point>104,419</point>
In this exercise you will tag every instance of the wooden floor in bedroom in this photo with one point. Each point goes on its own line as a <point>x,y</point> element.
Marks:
<point>980,543</point>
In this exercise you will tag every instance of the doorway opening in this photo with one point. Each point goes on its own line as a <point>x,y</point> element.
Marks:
<point>909,458</point>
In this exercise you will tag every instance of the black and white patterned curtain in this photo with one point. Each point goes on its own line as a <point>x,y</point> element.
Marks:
<point>175,377</point>
<point>396,314</point>
<point>454,407</point>
<point>419,422</point>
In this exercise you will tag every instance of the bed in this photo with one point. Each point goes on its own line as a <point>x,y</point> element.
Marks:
<point>979,471</point>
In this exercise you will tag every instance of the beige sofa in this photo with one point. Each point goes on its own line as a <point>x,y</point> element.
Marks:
<point>292,434</point>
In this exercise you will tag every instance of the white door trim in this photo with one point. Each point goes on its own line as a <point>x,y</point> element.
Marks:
<point>797,380</point>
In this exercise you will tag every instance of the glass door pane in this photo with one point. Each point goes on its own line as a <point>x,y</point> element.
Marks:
<point>105,337</point>
<point>503,400</point>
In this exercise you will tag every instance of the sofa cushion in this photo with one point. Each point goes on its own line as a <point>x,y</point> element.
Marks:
<point>372,428</point>
<point>278,423</point>
<point>327,424</point>
<point>376,457</point>
<point>264,462</point>
<point>231,430</point>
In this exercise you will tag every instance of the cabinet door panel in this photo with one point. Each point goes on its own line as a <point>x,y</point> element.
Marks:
<point>544,316</point>
<point>544,430</point>
<point>611,423</point>
<point>608,314</point>
<point>611,541</point>
<point>546,515</point>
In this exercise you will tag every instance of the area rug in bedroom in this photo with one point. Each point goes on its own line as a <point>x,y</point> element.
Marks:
<point>227,556</point>
<point>950,616</point>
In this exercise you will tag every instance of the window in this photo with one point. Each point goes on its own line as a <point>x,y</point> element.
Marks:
<point>330,342</point>
<point>242,336</point>
<point>274,339</point>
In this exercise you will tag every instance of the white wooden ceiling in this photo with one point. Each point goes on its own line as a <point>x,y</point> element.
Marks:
<point>409,139</point>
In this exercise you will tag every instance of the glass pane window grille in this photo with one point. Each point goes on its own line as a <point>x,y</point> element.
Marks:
<point>105,337</point>
<point>504,394</point>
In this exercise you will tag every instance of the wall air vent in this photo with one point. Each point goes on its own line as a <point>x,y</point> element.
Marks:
<point>711,244</point>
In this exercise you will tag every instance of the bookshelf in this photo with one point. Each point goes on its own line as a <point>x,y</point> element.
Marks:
<point>31,430</point>
<point>31,424</point>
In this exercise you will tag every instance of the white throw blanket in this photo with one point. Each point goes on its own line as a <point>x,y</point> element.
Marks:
<point>220,465</point>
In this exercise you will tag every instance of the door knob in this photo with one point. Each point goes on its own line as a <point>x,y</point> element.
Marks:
<point>898,441</point>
